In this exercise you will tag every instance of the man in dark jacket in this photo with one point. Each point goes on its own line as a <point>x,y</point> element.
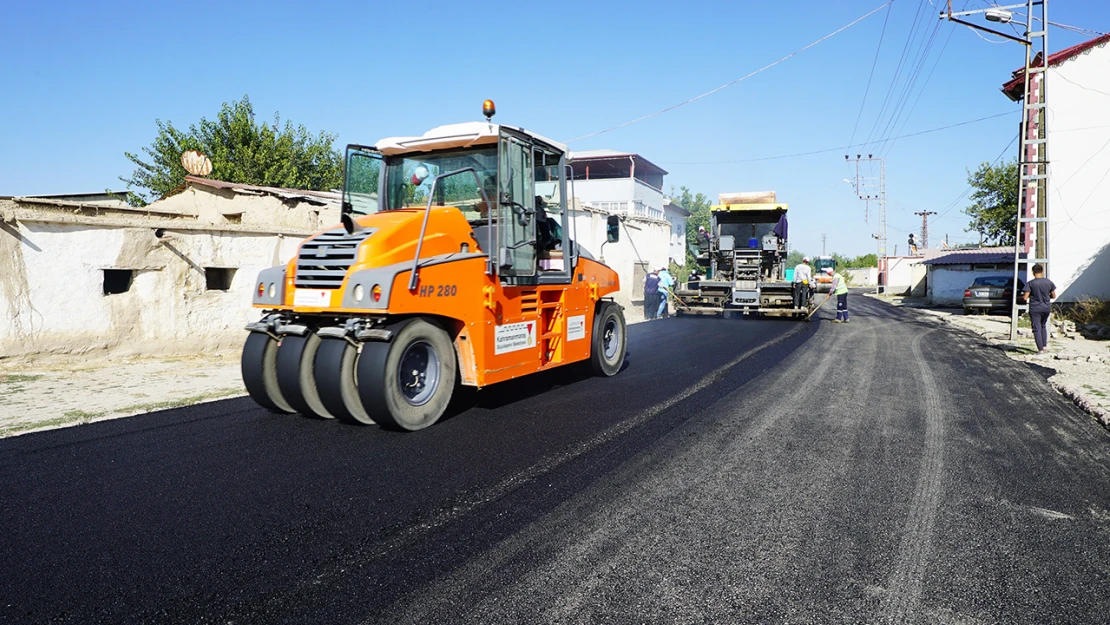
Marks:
<point>651,294</point>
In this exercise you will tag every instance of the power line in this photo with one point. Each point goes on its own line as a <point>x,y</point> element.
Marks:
<point>839,149</point>
<point>871,75</point>
<point>948,208</point>
<point>742,78</point>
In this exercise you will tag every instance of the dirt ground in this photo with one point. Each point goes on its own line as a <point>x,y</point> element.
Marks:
<point>60,391</point>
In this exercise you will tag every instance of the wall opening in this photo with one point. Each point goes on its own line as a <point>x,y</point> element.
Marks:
<point>117,281</point>
<point>218,278</point>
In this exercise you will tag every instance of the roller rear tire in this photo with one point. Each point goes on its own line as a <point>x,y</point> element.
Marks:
<point>259,368</point>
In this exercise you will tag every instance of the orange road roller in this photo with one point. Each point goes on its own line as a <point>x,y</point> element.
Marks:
<point>455,264</point>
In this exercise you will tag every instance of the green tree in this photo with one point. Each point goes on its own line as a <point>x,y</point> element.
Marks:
<point>241,150</point>
<point>794,258</point>
<point>698,205</point>
<point>994,213</point>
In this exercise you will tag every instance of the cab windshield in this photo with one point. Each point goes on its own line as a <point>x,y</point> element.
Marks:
<point>409,180</point>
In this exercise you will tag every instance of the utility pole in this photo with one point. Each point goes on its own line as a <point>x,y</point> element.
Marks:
<point>872,187</point>
<point>823,237</point>
<point>1031,238</point>
<point>925,228</point>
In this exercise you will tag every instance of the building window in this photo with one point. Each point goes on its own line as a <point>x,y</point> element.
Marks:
<point>117,281</point>
<point>218,278</point>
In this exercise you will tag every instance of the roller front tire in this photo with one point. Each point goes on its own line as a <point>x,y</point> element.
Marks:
<point>259,368</point>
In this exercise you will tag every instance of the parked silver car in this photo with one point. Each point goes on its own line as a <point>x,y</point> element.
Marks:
<point>988,293</point>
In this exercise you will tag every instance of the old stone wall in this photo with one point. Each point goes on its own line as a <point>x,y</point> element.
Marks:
<point>53,279</point>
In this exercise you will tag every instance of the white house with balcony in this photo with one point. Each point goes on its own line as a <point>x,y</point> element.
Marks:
<point>607,182</point>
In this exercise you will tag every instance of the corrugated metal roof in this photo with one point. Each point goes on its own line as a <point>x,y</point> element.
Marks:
<point>1014,88</point>
<point>579,156</point>
<point>979,256</point>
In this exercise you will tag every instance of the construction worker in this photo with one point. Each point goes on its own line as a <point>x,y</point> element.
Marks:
<point>666,282</point>
<point>840,287</point>
<point>803,276</point>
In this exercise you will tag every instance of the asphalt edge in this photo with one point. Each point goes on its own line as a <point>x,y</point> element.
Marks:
<point>1073,394</point>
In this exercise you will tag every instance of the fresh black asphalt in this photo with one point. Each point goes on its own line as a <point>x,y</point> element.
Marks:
<point>887,470</point>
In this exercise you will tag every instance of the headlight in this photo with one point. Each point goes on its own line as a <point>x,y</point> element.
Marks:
<point>272,291</point>
<point>359,292</point>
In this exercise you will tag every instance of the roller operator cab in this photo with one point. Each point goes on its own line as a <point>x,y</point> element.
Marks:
<point>455,264</point>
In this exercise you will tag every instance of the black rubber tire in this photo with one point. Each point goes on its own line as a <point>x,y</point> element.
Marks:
<point>608,326</point>
<point>295,358</point>
<point>259,368</point>
<point>380,380</point>
<point>334,373</point>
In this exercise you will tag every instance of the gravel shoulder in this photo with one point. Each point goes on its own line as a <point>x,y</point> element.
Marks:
<point>1080,367</point>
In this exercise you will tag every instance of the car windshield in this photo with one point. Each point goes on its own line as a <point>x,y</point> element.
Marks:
<point>409,180</point>
<point>1000,281</point>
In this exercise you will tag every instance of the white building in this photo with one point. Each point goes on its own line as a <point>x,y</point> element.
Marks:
<point>676,216</point>
<point>85,272</point>
<point>1078,90</point>
<point>605,183</point>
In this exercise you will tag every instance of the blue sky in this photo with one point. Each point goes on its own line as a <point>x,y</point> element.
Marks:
<point>85,82</point>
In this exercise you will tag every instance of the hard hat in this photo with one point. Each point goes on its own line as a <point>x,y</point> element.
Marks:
<point>701,228</point>
<point>829,270</point>
<point>805,259</point>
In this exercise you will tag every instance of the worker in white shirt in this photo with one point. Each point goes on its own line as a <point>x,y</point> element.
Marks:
<point>803,277</point>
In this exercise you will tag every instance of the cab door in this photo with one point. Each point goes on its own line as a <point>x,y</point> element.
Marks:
<point>515,213</point>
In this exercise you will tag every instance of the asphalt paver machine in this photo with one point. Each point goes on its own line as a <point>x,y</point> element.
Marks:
<point>743,256</point>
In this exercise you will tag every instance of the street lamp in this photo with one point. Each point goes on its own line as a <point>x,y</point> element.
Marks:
<point>1033,171</point>
<point>1001,16</point>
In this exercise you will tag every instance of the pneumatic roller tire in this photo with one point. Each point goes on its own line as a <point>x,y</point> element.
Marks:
<point>334,373</point>
<point>407,383</point>
<point>610,340</point>
<point>295,358</point>
<point>259,368</point>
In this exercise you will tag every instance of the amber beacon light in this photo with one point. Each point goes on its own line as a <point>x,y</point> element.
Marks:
<point>489,109</point>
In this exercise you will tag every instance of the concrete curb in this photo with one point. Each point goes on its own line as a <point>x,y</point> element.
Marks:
<point>1081,401</point>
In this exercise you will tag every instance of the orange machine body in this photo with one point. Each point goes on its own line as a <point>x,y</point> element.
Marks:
<point>500,331</point>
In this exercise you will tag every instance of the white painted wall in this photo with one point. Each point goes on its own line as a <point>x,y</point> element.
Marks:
<point>1079,182</point>
<point>863,277</point>
<point>53,288</point>
<point>905,272</point>
<point>677,236</point>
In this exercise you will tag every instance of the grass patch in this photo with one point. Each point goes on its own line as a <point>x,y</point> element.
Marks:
<point>23,427</point>
<point>81,414</point>
<point>13,378</point>
<point>183,401</point>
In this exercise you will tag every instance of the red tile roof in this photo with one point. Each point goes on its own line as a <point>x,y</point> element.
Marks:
<point>1015,87</point>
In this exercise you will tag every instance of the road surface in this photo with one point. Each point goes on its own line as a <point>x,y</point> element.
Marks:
<point>886,470</point>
